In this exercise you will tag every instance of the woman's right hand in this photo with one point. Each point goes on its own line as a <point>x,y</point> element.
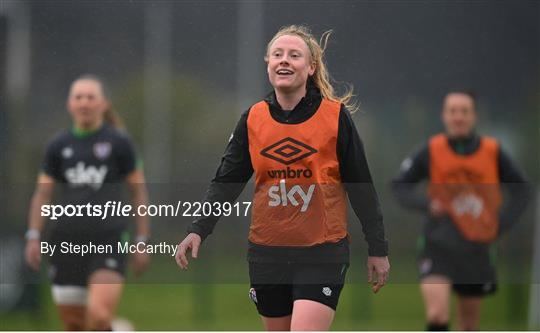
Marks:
<point>32,253</point>
<point>191,242</point>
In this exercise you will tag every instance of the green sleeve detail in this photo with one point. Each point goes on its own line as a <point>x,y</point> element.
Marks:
<point>124,237</point>
<point>420,243</point>
<point>493,254</point>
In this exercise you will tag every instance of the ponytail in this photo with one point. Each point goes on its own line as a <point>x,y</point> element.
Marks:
<point>113,119</point>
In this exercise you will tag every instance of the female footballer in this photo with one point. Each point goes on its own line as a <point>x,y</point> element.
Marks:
<point>87,163</point>
<point>302,145</point>
<point>465,172</point>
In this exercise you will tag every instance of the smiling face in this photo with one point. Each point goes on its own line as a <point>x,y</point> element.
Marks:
<point>86,103</point>
<point>289,64</point>
<point>459,115</point>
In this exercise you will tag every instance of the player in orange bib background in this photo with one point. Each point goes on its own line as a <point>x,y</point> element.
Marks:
<point>307,156</point>
<point>465,172</point>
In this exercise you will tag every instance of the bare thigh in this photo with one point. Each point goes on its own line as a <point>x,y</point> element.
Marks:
<point>311,316</point>
<point>277,323</point>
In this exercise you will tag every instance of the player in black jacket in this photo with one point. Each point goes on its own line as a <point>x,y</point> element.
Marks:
<point>87,164</point>
<point>449,259</point>
<point>300,81</point>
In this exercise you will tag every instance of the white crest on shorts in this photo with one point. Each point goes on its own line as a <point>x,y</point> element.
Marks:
<point>327,291</point>
<point>425,266</point>
<point>406,164</point>
<point>253,295</point>
<point>111,263</point>
<point>487,287</point>
<point>67,152</point>
<point>102,150</point>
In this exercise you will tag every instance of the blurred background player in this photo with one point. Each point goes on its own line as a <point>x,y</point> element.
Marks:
<point>303,146</point>
<point>88,163</point>
<point>464,211</point>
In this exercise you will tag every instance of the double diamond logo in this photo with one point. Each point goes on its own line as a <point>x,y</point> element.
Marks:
<point>288,151</point>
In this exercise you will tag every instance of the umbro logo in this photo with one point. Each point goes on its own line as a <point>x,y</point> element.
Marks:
<point>67,152</point>
<point>288,151</point>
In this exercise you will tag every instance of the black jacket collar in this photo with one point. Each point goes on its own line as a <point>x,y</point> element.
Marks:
<point>306,108</point>
<point>466,145</point>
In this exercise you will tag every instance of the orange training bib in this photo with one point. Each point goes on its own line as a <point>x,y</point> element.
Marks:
<point>299,199</point>
<point>467,186</point>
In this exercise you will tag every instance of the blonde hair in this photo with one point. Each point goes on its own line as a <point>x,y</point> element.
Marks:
<point>321,77</point>
<point>110,115</point>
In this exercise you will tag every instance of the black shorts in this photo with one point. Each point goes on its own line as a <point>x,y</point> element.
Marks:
<point>275,286</point>
<point>75,269</point>
<point>472,274</point>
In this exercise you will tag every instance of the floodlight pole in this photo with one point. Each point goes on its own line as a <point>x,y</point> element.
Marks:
<point>157,116</point>
<point>250,53</point>
<point>16,84</point>
<point>534,303</point>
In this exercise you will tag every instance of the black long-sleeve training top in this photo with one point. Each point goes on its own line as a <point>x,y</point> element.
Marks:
<point>236,169</point>
<point>416,168</point>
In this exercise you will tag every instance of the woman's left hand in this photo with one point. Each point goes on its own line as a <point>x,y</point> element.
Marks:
<point>378,270</point>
